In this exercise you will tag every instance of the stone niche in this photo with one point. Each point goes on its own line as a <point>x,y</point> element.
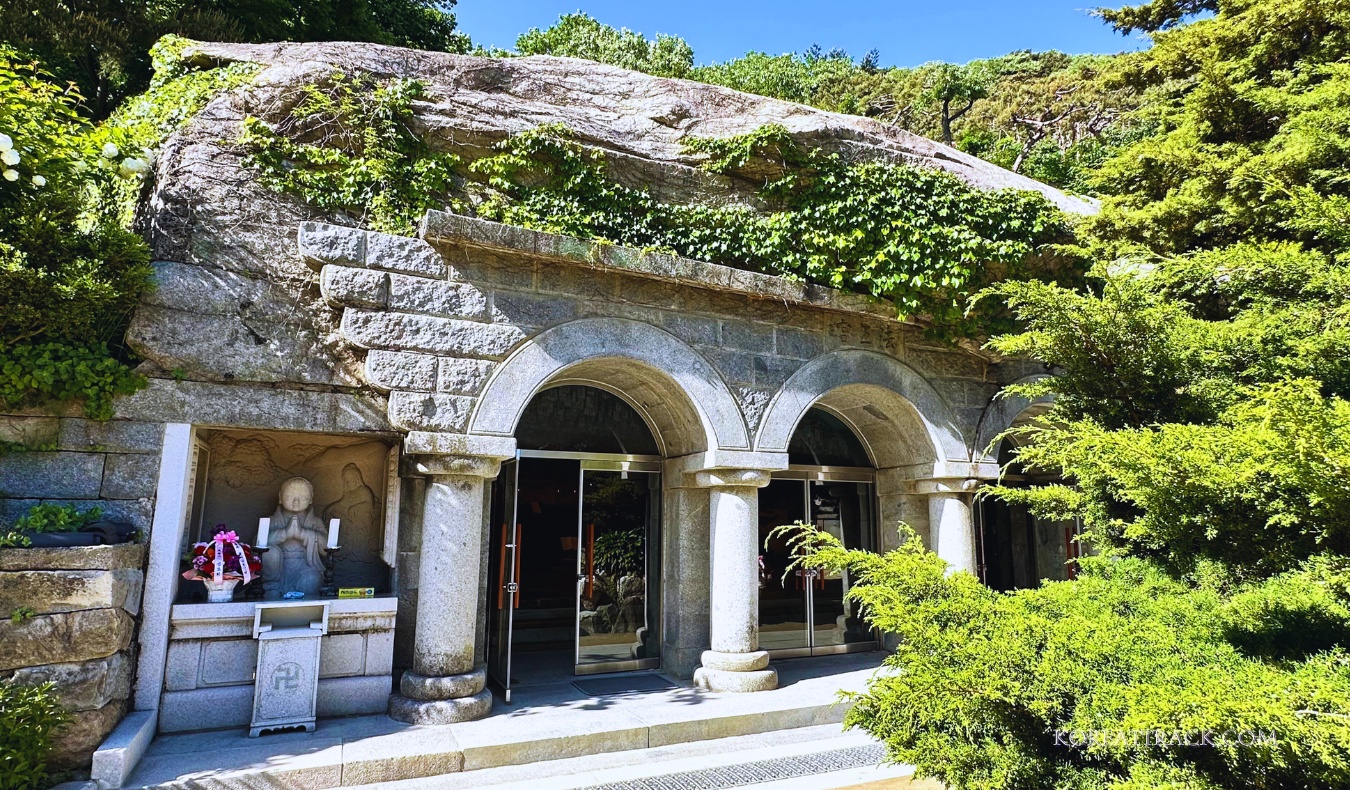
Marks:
<point>239,475</point>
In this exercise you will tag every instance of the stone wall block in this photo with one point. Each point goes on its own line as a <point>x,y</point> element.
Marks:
<point>51,475</point>
<point>747,337</point>
<point>438,297</point>
<point>401,370</point>
<point>122,556</point>
<point>30,432</point>
<point>402,254</point>
<point>322,243</point>
<point>48,592</point>
<point>734,366</point>
<point>182,664</point>
<point>462,376</point>
<point>528,310</point>
<point>114,436</point>
<point>344,286</point>
<point>946,363</point>
<point>84,685</point>
<point>691,328</point>
<point>447,336</point>
<point>773,371</point>
<point>66,637</point>
<point>797,344</point>
<point>75,745</point>
<point>129,476</point>
<point>416,411</point>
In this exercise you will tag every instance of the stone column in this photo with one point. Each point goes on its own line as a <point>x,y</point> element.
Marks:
<point>446,685</point>
<point>951,521</point>
<point>735,662</point>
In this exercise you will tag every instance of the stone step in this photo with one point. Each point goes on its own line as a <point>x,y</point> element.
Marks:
<point>817,754</point>
<point>545,725</point>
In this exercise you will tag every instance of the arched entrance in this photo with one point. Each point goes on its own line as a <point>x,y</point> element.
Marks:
<point>1017,550</point>
<point>574,563</point>
<point>830,483</point>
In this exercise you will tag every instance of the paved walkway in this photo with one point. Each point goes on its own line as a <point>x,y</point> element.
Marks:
<point>554,722</point>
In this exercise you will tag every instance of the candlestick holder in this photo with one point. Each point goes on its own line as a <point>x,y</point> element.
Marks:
<point>329,589</point>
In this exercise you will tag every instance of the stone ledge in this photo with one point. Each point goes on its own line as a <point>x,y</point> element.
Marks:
<point>460,230</point>
<point>224,620</point>
<point>74,558</point>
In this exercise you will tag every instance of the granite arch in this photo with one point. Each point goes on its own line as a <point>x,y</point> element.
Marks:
<point>688,406</point>
<point>899,416</point>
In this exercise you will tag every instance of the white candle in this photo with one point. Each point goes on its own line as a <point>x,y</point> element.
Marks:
<point>332,533</point>
<point>264,527</point>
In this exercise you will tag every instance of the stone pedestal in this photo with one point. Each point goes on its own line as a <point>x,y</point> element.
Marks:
<point>951,523</point>
<point>286,683</point>
<point>735,662</point>
<point>444,685</point>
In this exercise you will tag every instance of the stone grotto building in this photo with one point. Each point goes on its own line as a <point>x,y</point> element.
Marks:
<point>549,457</point>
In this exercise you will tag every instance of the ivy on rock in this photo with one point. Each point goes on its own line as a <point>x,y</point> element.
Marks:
<point>921,239</point>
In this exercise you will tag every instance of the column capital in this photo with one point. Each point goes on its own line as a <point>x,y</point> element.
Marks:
<point>731,478</point>
<point>458,454</point>
<point>944,485</point>
<point>725,469</point>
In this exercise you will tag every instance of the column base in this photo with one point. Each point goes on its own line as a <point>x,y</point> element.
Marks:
<point>736,672</point>
<point>440,711</point>
<point>425,699</point>
<point>736,682</point>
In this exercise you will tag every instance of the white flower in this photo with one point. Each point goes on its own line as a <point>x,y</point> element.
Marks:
<point>5,142</point>
<point>133,166</point>
<point>39,181</point>
<point>11,175</point>
<point>10,157</point>
<point>109,151</point>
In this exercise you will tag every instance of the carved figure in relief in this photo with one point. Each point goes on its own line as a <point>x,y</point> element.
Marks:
<point>359,510</point>
<point>297,537</point>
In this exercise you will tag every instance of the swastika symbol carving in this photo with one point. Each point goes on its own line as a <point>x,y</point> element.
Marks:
<point>286,677</point>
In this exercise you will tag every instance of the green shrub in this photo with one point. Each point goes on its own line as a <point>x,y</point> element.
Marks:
<point>70,274</point>
<point>1016,690</point>
<point>29,717</point>
<point>57,518</point>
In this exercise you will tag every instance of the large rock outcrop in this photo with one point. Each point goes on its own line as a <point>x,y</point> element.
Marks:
<point>235,302</point>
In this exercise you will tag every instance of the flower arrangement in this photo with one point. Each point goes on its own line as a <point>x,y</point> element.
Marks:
<point>221,563</point>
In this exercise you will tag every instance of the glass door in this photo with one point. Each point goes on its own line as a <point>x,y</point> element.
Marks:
<point>805,612</point>
<point>617,567</point>
<point>506,571</point>
<point>844,510</point>
<point>783,621</point>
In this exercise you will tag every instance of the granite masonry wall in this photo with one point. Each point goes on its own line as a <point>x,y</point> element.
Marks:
<point>84,601</point>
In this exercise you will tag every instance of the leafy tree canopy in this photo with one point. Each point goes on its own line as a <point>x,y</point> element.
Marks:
<point>580,36</point>
<point>102,46</point>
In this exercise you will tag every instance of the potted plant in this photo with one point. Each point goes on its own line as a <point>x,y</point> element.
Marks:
<point>52,526</point>
<point>221,563</point>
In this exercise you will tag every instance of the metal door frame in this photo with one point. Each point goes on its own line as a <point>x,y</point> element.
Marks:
<point>827,474</point>
<point>596,462</point>
<point>609,462</point>
<point>511,585</point>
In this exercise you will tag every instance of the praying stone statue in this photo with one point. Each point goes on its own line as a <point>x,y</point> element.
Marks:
<point>296,539</point>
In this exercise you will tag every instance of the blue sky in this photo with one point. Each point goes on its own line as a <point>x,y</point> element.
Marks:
<point>906,32</point>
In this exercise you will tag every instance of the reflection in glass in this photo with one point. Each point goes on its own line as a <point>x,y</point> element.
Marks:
<point>617,537</point>
<point>782,594</point>
<point>844,511</point>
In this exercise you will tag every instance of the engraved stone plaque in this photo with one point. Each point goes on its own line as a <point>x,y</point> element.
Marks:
<point>286,683</point>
